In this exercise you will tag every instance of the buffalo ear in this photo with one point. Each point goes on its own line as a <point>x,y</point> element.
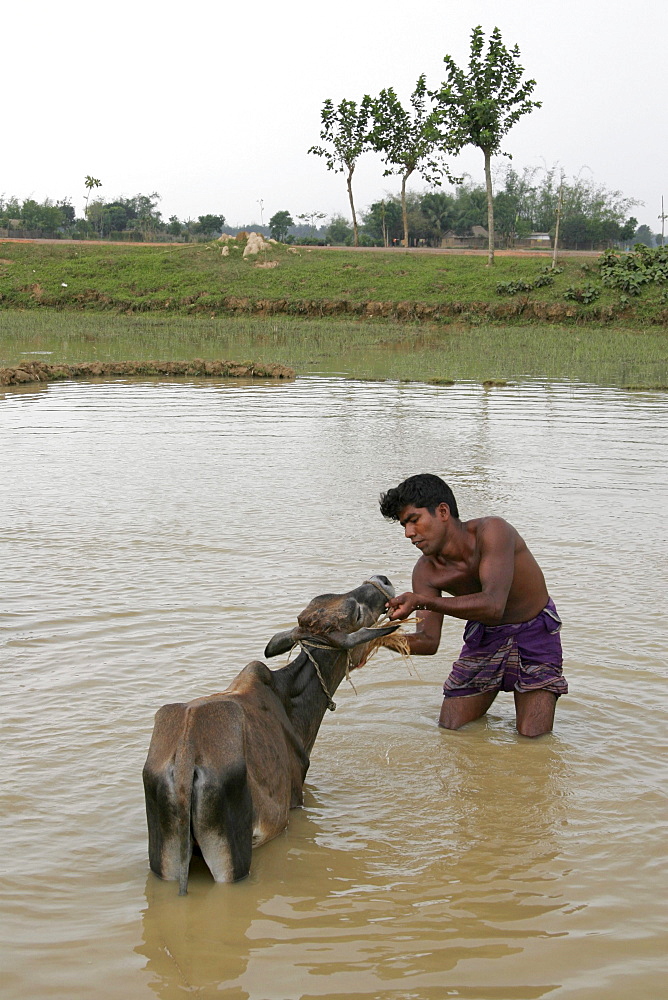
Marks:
<point>343,640</point>
<point>281,642</point>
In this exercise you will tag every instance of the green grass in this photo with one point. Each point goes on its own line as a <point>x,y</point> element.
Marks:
<point>196,278</point>
<point>604,354</point>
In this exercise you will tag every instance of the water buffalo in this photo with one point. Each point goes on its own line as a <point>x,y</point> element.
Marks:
<point>224,771</point>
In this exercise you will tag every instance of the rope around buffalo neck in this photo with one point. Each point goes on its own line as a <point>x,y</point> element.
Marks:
<point>331,704</point>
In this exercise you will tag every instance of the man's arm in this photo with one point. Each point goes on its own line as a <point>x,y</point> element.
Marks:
<point>495,571</point>
<point>424,641</point>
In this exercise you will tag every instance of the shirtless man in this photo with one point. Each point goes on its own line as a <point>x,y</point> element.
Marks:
<point>511,639</point>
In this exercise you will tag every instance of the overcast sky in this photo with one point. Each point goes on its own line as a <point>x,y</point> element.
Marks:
<point>214,104</point>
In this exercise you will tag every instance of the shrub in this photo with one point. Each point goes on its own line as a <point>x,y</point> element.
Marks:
<point>586,293</point>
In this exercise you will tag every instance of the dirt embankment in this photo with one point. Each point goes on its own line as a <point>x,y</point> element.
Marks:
<point>408,310</point>
<point>38,371</point>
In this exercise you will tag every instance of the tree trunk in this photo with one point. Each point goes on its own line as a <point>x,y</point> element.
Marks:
<point>490,207</point>
<point>556,231</point>
<point>404,210</point>
<point>349,181</point>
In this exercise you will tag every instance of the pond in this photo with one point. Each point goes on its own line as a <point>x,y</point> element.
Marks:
<point>157,533</point>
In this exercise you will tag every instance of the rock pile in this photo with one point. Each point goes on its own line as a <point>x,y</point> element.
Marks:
<point>256,243</point>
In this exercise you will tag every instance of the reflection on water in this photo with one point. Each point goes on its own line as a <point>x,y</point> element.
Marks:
<point>155,534</point>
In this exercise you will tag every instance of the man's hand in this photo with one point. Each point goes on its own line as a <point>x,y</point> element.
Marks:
<point>404,605</point>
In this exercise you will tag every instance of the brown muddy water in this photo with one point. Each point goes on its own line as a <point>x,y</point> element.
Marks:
<point>156,533</point>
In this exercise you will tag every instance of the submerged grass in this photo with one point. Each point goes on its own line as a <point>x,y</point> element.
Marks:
<point>432,352</point>
<point>197,278</point>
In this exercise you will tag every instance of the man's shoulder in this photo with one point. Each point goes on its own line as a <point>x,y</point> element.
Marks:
<point>493,531</point>
<point>491,524</point>
<point>425,569</point>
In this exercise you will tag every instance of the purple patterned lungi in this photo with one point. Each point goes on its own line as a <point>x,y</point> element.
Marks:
<point>522,657</point>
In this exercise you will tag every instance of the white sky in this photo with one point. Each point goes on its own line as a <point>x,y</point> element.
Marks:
<point>214,104</point>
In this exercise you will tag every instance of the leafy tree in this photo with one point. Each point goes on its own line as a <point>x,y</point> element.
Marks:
<point>148,217</point>
<point>174,227</point>
<point>89,184</point>
<point>339,231</point>
<point>481,106</point>
<point>279,224</point>
<point>82,229</point>
<point>345,129</point>
<point>643,234</point>
<point>67,211</point>
<point>407,140</point>
<point>143,213</point>
<point>440,211</point>
<point>115,216</point>
<point>627,231</point>
<point>10,209</point>
<point>47,216</point>
<point>95,215</point>
<point>471,208</point>
<point>210,224</point>
<point>383,220</point>
<point>591,214</point>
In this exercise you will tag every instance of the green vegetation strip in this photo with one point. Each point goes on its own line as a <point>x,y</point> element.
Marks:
<point>200,279</point>
<point>37,371</point>
<point>610,353</point>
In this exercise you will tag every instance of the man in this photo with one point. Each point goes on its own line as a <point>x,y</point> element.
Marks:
<point>511,638</point>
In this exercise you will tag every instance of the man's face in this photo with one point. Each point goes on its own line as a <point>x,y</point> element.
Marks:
<point>425,530</point>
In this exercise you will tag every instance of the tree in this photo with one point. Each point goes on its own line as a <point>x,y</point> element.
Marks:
<point>95,215</point>
<point>440,211</point>
<point>114,216</point>
<point>90,183</point>
<point>482,105</point>
<point>174,227</point>
<point>383,220</point>
<point>591,214</point>
<point>312,218</point>
<point>279,224</point>
<point>143,214</point>
<point>346,130</point>
<point>47,216</point>
<point>210,224</point>
<point>407,139</point>
<point>643,234</point>
<point>339,231</point>
<point>67,210</point>
<point>10,209</point>
<point>470,208</point>
<point>628,229</point>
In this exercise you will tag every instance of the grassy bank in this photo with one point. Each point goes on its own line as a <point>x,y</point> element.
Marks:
<point>198,279</point>
<point>605,354</point>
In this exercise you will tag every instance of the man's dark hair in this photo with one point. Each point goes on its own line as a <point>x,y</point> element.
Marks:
<point>423,490</point>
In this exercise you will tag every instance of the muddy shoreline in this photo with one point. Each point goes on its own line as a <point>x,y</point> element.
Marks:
<point>38,371</point>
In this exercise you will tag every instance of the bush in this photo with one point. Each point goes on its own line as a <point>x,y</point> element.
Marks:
<point>628,272</point>
<point>585,294</point>
<point>545,277</point>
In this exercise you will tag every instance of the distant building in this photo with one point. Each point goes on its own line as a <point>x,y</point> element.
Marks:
<point>476,238</point>
<point>537,239</point>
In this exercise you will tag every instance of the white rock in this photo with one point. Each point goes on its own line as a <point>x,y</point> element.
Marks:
<point>255,243</point>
